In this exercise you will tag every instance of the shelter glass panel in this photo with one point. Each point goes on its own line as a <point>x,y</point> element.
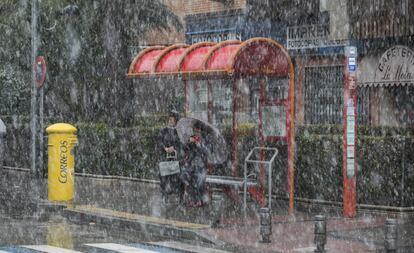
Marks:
<point>277,89</point>
<point>222,103</point>
<point>198,99</point>
<point>274,121</point>
<point>247,100</point>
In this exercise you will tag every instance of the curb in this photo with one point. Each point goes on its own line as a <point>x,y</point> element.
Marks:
<point>141,226</point>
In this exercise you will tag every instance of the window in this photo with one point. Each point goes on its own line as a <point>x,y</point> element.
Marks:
<point>323,90</point>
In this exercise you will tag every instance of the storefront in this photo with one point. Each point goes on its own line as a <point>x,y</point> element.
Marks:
<point>387,80</point>
<point>319,63</point>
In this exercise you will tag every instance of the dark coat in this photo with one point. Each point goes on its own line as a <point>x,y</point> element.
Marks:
<point>195,156</point>
<point>168,137</point>
<point>194,172</point>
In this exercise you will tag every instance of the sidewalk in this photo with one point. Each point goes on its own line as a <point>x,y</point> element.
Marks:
<point>137,205</point>
<point>291,233</point>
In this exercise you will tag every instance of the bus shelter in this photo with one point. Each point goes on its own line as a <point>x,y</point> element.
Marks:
<point>245,89</point>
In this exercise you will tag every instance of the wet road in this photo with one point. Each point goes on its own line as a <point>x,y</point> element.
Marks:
<point>25,235</point>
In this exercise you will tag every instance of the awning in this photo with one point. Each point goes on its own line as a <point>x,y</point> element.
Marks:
<point>386,84</point>
<point>251,57</point>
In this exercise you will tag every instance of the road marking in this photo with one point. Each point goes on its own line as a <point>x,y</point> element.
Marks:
<point>304,250</point>
<point>119,248</point>
<point>137,217</point>
<point>49,249</point>
<point>187,247</point>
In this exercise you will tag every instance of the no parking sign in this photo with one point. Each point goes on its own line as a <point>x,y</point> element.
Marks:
<point>40,71</point>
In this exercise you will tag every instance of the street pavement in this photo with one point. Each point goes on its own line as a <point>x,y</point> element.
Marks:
<point>149,247</point>
<point>135,214</point>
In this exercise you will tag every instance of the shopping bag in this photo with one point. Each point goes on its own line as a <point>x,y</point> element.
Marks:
<point>169,168</point>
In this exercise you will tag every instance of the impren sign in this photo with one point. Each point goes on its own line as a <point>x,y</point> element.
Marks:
<point>312,36</point>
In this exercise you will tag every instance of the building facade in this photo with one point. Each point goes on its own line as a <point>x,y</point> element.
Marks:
<point>384,34</point>
<point>316,32</point>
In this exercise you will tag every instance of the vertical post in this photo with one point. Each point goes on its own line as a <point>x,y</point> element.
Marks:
<point>320,233</point>
<point>234,137</point>
<point>349,112</point>
<point>265,225</point>
<point>187,99</point>
<point>290,122</point>
<point>33,109</point>
<point>41,127</point>
<point>245,189</point>
<point>402,201</point>
<point>390,236</point>
<point>217,206</point>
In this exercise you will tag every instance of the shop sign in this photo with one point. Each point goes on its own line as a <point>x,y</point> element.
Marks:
<point>350,137</point>
<point>351,64</point>
<point>311,36</point>
<point>214,37</point>
<point>395,65</point>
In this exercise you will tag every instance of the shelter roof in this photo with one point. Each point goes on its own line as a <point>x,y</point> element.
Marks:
<point>256,56</point>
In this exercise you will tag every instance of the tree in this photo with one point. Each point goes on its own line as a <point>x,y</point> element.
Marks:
<point>87,55</point>
<point>15,58</point>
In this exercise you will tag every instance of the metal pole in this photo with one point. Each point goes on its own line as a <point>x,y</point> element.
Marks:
<point>217,209</point>
<point>320,234</point>
<point>269,182</point>
<point>265,225</point>
<point>245,190</point>
<point>350,134</point>
<point>41,127</point>
<point>391,236</point>
<point>33,109</point>
<point>403,174</point>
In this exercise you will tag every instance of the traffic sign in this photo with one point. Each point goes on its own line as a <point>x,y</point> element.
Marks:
<point>40,71</point>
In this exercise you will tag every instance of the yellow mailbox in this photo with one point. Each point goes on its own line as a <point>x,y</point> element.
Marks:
<point>61,161</point>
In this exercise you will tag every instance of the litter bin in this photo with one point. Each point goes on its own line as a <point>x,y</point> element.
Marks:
<point>61,162</point>
<point>2,142</point>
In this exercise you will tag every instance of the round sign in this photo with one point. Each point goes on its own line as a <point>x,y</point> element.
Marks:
<point>40,70</point>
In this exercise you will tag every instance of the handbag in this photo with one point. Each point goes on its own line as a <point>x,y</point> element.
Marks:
<point>168,168</point>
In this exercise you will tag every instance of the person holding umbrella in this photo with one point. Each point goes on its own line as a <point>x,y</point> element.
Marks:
<point>194,171</point>
<point>204,145</point>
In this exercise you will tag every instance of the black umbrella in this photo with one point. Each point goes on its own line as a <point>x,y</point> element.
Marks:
<point>211,136</point>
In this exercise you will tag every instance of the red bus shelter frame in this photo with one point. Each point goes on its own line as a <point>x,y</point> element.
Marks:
<point>231,60</point>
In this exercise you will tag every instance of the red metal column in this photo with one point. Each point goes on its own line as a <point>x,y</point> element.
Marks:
<point>186,99</point>
<point>350,134</point>
<point>210,101</point>
<point>234,136</point>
